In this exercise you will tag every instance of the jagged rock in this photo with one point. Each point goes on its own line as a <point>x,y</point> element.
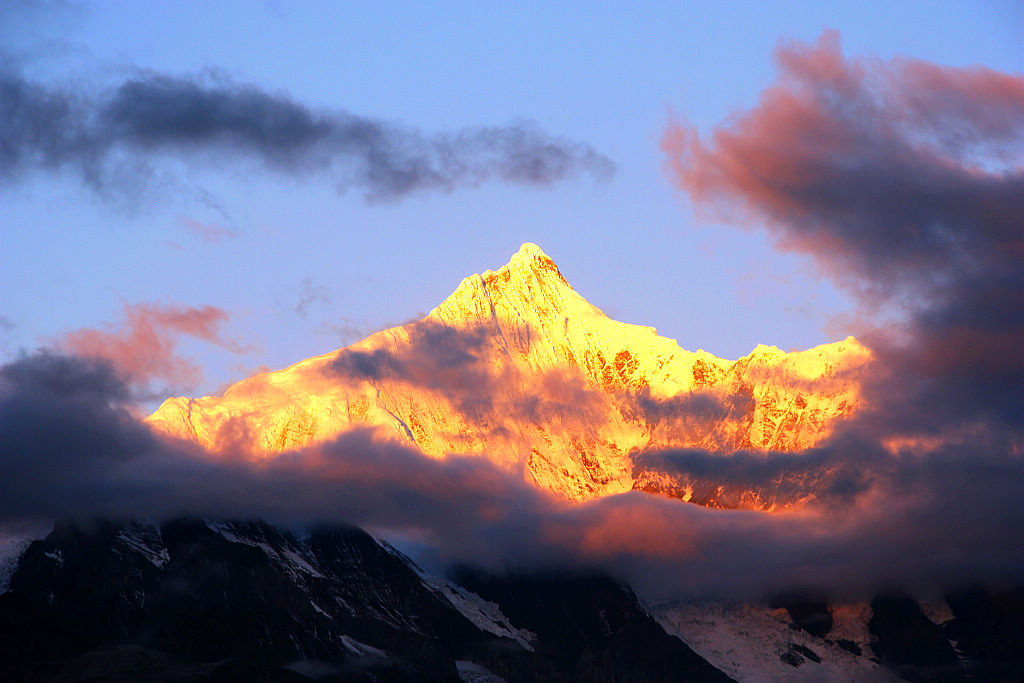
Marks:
<point>910,644</point>
<point>988,626</point>
<point>592,627</point>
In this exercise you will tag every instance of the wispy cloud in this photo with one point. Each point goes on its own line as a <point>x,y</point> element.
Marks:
<point>208,232</point>
<point>45,128</point>
<point>144,346</point>
<point>309,294</point>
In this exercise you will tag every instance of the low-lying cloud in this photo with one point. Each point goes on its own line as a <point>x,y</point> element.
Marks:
<point>68,446</point>
<point>46,128</point>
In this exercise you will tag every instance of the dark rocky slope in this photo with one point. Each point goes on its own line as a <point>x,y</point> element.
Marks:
<point>190,600</point>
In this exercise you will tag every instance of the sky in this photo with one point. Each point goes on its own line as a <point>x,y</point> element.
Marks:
<point>298,261</point>
<point>190,194</point>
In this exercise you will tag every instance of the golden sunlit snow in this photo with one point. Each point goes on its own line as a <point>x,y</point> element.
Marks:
<point>515,366</point>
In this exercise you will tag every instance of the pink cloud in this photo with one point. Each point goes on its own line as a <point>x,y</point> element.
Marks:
<point>144,346</point>
<point>208,232</point>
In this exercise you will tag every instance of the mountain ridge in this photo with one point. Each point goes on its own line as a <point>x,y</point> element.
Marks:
<point>205,600</point>
<point>518,367</point>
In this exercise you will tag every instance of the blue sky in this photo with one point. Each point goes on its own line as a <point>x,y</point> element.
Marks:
<point>606,74</point>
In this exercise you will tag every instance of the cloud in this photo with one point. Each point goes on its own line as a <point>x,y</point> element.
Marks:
<point>343,330</point>
<point>825,476</point>
<point>896,177</point>
<point>901,179</point>
<point>930,520</point>
<point>144,346</point>
<point>435,357</point>
<point>208,232</point>
<point>309,294</point>
<point>69,446</point>
<point>217,121</point>
<point>470,368</point>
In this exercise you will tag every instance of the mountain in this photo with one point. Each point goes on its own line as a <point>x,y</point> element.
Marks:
<point>517,367</point>
<point>203,600</point>
<point>206,600</point>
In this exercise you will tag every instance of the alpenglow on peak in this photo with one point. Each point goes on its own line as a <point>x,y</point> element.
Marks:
<point>530,259</point>
<point>517,367</point>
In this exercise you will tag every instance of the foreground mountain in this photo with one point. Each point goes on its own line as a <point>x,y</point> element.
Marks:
<point>518,367</point>
<point>194,600</point>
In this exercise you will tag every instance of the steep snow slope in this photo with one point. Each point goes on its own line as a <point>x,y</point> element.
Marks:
<point>757,644</point>
<point>517,366</point>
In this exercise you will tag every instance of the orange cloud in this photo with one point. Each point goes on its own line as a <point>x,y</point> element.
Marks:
<point>144,345</point>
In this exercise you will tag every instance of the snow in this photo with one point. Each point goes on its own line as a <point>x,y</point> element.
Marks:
<point>534,328</point>
<point>471,672</point>
<point>289,560</point>
<point>300,562</point>
<point>317,608</point>
<point>850,622</point>
<point>748,642</point>
<point>146,541</point>
<point>362,649</point>
<point>487,616</point>
<point>11,548</point>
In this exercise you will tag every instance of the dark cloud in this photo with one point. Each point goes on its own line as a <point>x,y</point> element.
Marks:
<point>470,368</point>
<point>436,357</point>
<point>904,181</point>
<point>46,128</point>
<point>54,375</point>
<point>826,476</point>
<point>68,447</point>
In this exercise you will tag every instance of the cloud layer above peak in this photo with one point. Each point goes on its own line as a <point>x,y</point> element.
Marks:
<point>121,133</point>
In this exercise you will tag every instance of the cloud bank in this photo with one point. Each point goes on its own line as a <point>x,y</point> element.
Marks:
<point>903,180</point>
<point>45,128</point>
<point>70,448</point>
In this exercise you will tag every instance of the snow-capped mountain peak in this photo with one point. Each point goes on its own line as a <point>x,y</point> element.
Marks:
<point>517,366</point>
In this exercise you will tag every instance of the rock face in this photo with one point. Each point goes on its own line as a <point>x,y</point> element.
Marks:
<point>518,367</point>
<point>192,600</point>
<point>595,630</point>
